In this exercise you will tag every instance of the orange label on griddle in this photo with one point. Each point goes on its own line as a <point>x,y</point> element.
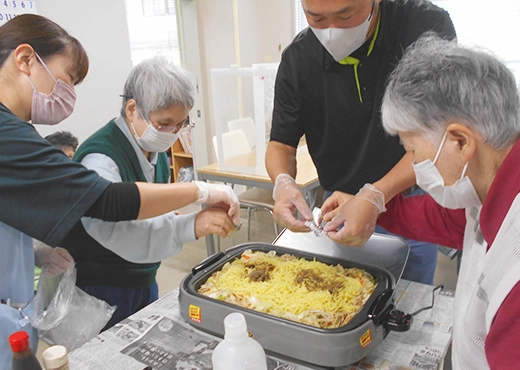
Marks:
<point>195,313</point>
<point>365,339</point>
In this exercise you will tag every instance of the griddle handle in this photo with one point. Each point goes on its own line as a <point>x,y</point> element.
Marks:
<point>398,321</point>
<point>208,261</point>
<point>382,305</point>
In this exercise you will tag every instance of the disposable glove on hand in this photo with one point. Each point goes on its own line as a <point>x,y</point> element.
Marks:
<point>213,220</point>
<point>57,260</point>
<point>355,220</point>
<point>374,196</point>
<point>289,199</point>
<point>218,194</point>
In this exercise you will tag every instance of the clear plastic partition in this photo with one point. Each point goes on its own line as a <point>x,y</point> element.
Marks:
<point>242,106</point>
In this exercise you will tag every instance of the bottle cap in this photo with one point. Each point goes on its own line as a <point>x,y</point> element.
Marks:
<point>235,326</point>
<point>19,341</point>
<point>55,356</point>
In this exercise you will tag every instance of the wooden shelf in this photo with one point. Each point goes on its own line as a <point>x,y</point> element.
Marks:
<point>179,159</point>
<point>182,155</point>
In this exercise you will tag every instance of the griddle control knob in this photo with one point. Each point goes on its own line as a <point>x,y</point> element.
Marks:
<point>398,321</point>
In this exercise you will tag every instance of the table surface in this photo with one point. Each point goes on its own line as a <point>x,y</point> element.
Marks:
<point>156,337</point>
<point>306,175</point>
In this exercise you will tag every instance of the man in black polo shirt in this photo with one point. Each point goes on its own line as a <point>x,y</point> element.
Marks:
<point>329,88</point>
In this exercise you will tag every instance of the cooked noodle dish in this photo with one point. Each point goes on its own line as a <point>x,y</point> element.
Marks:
<point>294,288</point>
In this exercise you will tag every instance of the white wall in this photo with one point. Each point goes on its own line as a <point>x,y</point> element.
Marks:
<point>100,26</point>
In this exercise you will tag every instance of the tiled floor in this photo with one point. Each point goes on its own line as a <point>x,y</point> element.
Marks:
<point>446,272</point>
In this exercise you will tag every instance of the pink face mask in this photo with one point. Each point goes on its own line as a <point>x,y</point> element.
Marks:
<point>55,107</point>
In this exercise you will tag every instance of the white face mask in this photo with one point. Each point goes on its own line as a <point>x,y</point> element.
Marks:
<point>153,140</point>
<point>341,42</point>
<point>462,194</point>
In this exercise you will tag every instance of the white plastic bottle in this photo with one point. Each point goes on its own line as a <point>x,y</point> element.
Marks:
<point>238,351</point>
<point>56,358</point>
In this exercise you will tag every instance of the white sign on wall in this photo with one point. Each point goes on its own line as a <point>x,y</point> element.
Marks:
<point>12,8</point>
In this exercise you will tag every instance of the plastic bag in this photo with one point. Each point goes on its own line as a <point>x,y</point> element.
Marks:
<point>186,174</point>
<point>64,314</point>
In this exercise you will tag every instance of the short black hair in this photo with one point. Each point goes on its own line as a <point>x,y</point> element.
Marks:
<point>62,139</point>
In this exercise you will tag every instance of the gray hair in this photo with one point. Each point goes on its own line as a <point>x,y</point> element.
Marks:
<point>155,85</point>
<point>438,82</point>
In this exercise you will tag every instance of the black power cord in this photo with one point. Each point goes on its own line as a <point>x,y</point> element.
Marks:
<point>433,299</point>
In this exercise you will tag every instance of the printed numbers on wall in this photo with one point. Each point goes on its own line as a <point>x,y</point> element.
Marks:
<point>13,8</point>
<point>17,3</point>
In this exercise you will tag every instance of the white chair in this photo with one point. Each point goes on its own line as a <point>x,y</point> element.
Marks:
<point>247,125</point>
<point>235,143</point>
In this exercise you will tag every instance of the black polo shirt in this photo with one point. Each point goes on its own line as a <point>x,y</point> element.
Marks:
<point>317,97</point>
<point>42,192</point>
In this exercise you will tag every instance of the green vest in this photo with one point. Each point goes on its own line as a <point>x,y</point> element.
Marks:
<point>95,264</point>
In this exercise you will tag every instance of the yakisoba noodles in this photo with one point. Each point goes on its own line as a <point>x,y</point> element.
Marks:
<point>309,292</point>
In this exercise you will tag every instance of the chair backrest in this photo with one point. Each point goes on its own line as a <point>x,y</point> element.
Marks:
<point>234,144</point>
<point>247,125</point>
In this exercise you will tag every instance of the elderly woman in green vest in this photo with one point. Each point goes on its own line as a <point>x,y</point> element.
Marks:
<point>157,99</point>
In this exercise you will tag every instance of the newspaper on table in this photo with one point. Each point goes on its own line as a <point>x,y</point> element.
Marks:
<point>154,338</point>
<point>157,338</point>
<point>425,345</point>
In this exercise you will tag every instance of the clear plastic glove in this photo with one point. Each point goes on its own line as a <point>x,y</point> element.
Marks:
<point>355,219</point>
<point>288,200</point>
<point>370,193</point>
<point>333,203</point>
<point>213,220</point>
<point>219,195</point>
<point>57,260</point>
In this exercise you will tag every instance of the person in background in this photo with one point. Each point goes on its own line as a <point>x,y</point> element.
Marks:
<point>157,98</point>
<point>329,87</point>
<point>457,111</point>
<point>43,194</point>
<point>68,143</point>
<point>65,141</point>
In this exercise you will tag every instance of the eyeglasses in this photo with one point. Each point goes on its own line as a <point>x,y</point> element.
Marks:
<point>187,124</point>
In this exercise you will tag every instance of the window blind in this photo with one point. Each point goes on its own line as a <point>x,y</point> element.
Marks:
<point>491,25</point>
<point>153,29</point>
<point>298,21</point>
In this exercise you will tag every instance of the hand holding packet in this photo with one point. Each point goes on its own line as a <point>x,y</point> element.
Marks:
<point>317,224</point>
